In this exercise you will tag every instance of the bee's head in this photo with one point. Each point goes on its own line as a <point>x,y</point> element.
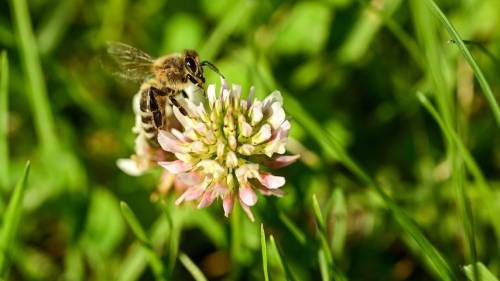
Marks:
<point>193,67</point>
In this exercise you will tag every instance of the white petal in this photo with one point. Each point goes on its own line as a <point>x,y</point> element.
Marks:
<point>231,160</point>
<point>130,167</point>
<point>246,149</point>
<point>211,95</point>
<point>277,115</point>
<point>256,112</point>
<point>262,135</point>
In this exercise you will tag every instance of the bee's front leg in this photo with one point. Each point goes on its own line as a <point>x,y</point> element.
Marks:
<point>176,104</point>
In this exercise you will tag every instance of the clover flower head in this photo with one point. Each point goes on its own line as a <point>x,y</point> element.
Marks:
<point>225,147</point>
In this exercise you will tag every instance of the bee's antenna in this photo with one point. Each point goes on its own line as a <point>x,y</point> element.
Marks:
<point>212,67</point>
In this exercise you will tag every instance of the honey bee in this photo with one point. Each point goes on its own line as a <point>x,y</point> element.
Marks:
<point>164,79</point>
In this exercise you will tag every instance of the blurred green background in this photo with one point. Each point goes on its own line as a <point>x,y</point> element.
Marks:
<point>396,182</point>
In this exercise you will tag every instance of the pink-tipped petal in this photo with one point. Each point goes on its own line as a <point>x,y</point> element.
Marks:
<point>247,195</point>
<point>207,199</point>
<point>176,167</point>
<point>247,211</point>
<point>281,161</point>
<point>169,143</point>
<point>228,203</point>
<point>190,195</point>
<point>270,181</point>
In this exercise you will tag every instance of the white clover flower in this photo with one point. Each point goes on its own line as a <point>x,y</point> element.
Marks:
<point>226,146</point>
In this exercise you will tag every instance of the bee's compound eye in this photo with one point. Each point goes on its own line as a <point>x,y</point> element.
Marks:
<point>191,64</point>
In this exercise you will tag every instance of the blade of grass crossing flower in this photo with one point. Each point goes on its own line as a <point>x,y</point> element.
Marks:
<point>263,245</point>
<point>44,121</point>
<point>4,107</point>
<point>485,190</point>
<point>154,260</point>
<point>11,219</point>
<point>484,273</point>
<point>470,59</point>
<point>284,265</point>
<point>294,229</point>
<point>191,267</point>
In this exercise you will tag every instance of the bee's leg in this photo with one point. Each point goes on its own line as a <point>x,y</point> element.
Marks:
<point>184,94</point>
<point>176,104</point>
<point>198,82</point>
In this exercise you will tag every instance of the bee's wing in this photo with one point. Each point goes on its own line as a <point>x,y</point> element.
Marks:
<point>128,62</point>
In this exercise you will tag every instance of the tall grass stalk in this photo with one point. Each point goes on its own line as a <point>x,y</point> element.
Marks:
<point>4,122</point>
<point>490,97</point>
<point>33,75</point>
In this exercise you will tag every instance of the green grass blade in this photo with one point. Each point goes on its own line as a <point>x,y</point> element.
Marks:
<point>4,107</point>
<point>192,268</point>
<point>465,212</point>
<point>33,75</point>
<point>135,261</point>
<point>323,266</point>
<point>263,246</point>
<point>317,213</point>
<point>470,59</point>
<point>338,208</point>
<point>11,219</point>
<point>284,265</point>
<point>294,229</point>
<point>484,273</point>
<point>487,193</point>
<point>154,260</point>
<point>240,10</point>
<point>56,24</point>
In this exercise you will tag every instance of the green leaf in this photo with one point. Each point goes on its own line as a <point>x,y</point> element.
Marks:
<point>4,107</point>
<point>191,267</point>
<point>105,228</point>
<point>154,260</point>
<point>484,273</point>
<point>11,219</point>
<point>263,245</point>
<point>470,59</point>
